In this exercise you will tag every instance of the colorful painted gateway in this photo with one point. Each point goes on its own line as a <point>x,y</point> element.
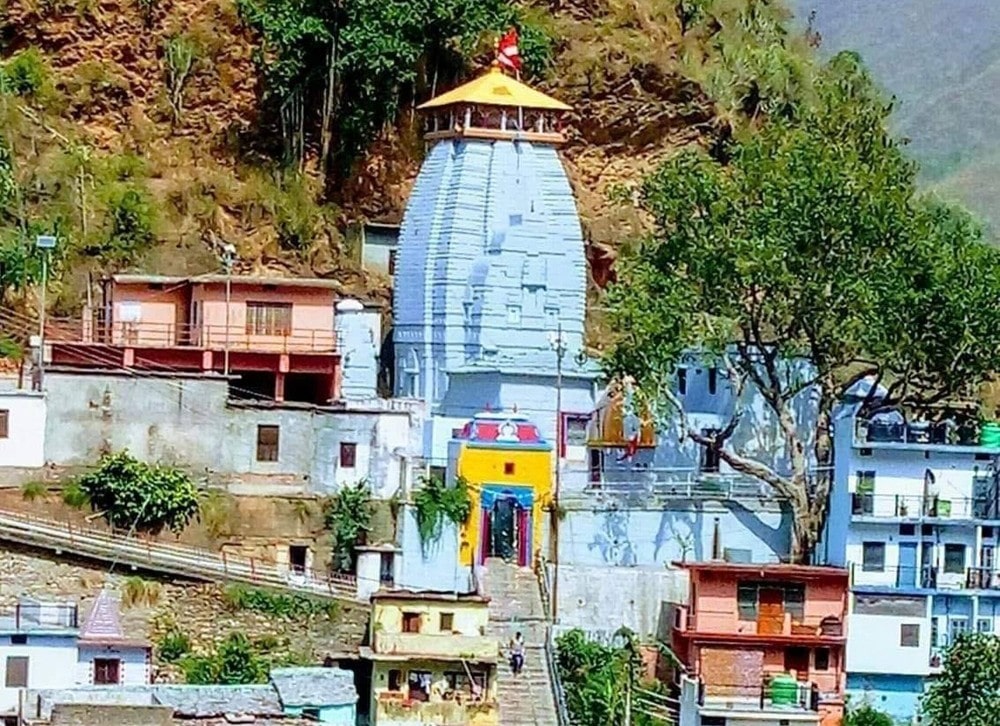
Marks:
<point>508,467</point>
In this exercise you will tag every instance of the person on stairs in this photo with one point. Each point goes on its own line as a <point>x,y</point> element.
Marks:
<point>517,654</point>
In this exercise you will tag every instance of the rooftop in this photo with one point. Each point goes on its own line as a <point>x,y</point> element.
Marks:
<point>431,595</point>
<point>776,570</point>
<point>495,88</point>
<point>216,279</point>
<point>315,687</point>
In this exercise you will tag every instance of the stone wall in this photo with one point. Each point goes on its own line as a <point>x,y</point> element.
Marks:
<point>89,714</point>
<point>198,609</point>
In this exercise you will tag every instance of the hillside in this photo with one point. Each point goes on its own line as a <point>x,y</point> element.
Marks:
<point>941,61</point>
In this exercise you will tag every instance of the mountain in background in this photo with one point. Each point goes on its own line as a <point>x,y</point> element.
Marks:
<point>941,61</point>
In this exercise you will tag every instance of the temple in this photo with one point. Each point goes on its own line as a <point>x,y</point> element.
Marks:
<point>490,280</point>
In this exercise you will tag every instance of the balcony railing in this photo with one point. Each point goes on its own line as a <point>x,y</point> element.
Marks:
<point>916,506</point>
<point>183,335</point>
<point>945,432</point>
<point>764,696</point>
<point>929,577</point>
<point>982,578</point>
<point>730,621</point>
<point>30,615</point>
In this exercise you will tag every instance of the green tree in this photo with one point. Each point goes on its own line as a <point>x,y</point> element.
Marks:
<point>804,240</point>
<point>132,493</point>
<point>360,61</point>
<point>967,693</point>
<point>236,661</point>
<point>347,516</point>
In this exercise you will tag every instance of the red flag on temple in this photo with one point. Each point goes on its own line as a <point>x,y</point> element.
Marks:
<point>507,52</point>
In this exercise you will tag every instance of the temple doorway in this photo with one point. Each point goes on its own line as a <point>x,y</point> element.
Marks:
<point>507,530</point>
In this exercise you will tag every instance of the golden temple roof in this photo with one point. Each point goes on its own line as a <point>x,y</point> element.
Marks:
<point>496,88</point>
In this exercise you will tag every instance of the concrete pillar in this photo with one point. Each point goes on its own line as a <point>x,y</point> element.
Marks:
<point>279,387</point>
<point>206,360</point>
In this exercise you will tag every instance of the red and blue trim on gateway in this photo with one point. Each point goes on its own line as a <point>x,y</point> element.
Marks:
<point>502,430</point>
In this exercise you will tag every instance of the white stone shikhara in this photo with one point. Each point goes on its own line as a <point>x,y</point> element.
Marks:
<point>491,263</point>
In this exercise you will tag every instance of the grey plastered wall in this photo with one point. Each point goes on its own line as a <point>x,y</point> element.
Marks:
<point>189,422</point>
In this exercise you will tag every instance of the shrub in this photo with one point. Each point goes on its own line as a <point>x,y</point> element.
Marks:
<point>74,496</point>
<point>437,502</point>
<point>33,490</point>
<point>173,646</point>
<point>137,591</point>
<point>26,74</point>
<point>234,662</point>
<point>867,715</point>
<point>278,604</point>
<point>179,53</point>
<point>215,513</point>
<point>131,493</point>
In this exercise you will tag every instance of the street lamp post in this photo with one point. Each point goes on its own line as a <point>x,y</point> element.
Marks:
<point>44,243</point>
<point>558,344</point>
<point>228,256</point>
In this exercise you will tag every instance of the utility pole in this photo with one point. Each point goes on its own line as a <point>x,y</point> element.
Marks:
<point>558,344</point>
<point>44,243</point>
<point>228,256</point>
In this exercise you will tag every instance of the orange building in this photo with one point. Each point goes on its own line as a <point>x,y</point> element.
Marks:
<point>764,638</point>
<point>275,334</point>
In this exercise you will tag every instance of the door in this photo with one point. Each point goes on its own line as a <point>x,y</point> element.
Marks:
<point>929,570</point>
<point>770,611</point>
<point>797,662</point>
<point>502,529</point>
<point>906,574</point>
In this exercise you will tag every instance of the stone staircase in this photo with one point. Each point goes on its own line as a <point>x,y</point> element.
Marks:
<point>516,606</point>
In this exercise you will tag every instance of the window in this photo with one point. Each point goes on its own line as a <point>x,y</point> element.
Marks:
<point>386,568</point>
<point>954,559</point>
<point>508,468</point>
<point>926,530</point>
<point>709,454</point>
<point>746,596</point>
<point>873,557</point>
<point>4,423</point>
<point>682,380</point>
<point>516,220</point>
<point>514,314</point>
<point>17,672</point>
<point>574,432</point>
<point>267,443</point>
<point>392,262</point>
<point>821,659</point>
<point>447,622</point>
<point>348,455</point>
<point>909,635</point>
<point>984,625</point>
<point>713,380</point>
<point>956,627</point>
<point>795,601</point>
<point>395,680</point>
<point>266,318</point>
<point>907,530</point>
<point>797,662</point>
<point>411,622</point>
<point>419,683</point>
<point>106,671</point>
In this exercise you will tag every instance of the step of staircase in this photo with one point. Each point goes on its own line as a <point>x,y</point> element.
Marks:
<point>516,607</point>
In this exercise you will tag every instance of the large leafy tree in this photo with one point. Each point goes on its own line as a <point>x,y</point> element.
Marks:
<point>804,239</point>
<point>967,693</point>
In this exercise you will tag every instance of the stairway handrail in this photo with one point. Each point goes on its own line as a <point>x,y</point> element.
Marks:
<point>558,693</point>
<point>165,555</point>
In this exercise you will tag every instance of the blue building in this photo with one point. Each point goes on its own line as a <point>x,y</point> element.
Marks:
<point>915,515</point>
<point>490,277</point>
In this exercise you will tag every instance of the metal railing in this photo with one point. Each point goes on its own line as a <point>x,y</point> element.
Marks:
<point>172,558</point>
<point>918,506</point>
<point>928,577</point>
<point>982,578</point>
<point>944,432</point>
<point>764,696</point>
<point>185,335</point>
<point>551,662</point>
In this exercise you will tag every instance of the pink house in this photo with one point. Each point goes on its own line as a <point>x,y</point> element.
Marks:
<point>765,637</point>
<point>275,334</point>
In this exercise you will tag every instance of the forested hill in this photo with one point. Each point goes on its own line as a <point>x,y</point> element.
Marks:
<point>941,60</point>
